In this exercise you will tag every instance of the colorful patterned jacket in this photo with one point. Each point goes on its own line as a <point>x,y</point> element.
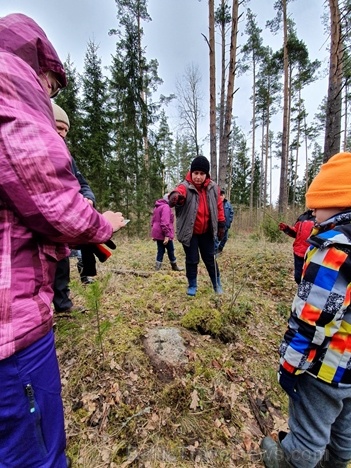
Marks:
<point>318,339</point>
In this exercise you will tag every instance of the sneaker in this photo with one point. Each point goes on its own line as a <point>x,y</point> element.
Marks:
<point>87,279</point>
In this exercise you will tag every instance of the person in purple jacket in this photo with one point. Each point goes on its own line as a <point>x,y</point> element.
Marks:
<point>162,231</point>
<point>41,211</point>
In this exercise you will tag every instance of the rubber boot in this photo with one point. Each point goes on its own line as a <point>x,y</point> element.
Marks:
<point>331,461</point>
<point>192,288</point>
<point>217,285</point>
<point>273,454</point>
<point>158,266</point>
<point>175,267</point>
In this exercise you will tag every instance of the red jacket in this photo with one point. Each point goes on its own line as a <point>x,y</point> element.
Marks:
<point>202,219</point>
<point>301,232</point>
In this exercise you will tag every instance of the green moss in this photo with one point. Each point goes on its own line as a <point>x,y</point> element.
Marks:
<point>207,321</point>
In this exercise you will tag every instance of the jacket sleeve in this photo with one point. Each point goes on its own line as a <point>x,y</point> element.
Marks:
<point>231,213</point>
<point>318,308</point>
<point>221,215</point>
<point>165,220</point>
<point>85,189</point>
<point>36,182</point>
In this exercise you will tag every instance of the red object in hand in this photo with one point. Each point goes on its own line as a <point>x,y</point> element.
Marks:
<point>283,226</point>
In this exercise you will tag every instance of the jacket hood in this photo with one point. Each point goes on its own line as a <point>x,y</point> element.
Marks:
<point>190,180</point>
<point>160,202</point>
<point>23,37</point>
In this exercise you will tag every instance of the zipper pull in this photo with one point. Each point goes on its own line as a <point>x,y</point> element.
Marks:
<point>30,395</point>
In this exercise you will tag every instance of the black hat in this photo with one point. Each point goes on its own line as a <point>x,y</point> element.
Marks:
<point>200,164</point>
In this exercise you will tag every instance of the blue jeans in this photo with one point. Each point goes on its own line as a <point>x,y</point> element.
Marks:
<point>32,431</point>
<point>205,244</point>
<point>161,248</point>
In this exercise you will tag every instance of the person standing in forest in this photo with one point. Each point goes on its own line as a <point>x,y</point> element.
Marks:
<point>162,231</point>
<point>62,301</point>
<point>315,354</point>
<point>200,219</point>
<point>41,211</point>
<point>229,216</point>
<point>300,232</point>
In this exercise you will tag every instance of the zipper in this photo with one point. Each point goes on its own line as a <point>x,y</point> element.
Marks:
<point>35,411</point>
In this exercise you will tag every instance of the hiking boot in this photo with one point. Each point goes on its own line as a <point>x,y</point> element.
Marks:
<point>331,461</point>
<point>158,266</point>
<point>273,454</point>
<point>175,267</point>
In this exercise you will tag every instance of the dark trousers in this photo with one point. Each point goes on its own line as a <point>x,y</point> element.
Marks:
<point>86,263</point>
<point>31,412</point>
<point>61,286</point>
<point>220,244</point>
<point>161,248</point>
<point>205,244</point>
<point>298,264</point>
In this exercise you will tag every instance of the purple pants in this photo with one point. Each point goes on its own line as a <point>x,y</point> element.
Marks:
<point>32,431</point>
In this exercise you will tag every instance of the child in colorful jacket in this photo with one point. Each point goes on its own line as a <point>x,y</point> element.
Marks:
<point>315,354</point>
<point>162,231</point>
<point>300,232</point>
<point>200,218</point>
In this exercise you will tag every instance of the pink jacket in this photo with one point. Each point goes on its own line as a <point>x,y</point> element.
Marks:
<point>41,208</point>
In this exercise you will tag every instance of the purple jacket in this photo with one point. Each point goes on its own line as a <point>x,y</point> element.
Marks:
<point>162,221</point>
<point>41,208</point>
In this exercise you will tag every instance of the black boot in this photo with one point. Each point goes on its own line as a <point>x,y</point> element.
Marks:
<point>175,267</point>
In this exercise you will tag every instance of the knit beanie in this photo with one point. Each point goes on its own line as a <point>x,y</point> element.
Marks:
<point>331,188</point>
<point>60,115</point>
<point>200,163</point>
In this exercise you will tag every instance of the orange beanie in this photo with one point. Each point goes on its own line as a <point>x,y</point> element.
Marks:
<point>331,188</point>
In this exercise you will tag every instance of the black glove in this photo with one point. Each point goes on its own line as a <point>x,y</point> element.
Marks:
<point>288,383</point>
<point>110,244</point>
<point>175,198</point>
<point>220,230</point>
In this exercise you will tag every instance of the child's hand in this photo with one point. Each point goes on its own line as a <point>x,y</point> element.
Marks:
<point>282,226</point>
<point>166,239</point>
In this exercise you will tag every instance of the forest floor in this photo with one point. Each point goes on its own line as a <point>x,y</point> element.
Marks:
<point>214,413</point>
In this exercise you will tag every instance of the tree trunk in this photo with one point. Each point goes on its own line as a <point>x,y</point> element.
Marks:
<point>213,137</point>
<point>333,114</point>
<point>223,68</point>
<point>253,132</point>
<point>283,189</point>
<point>225,137</point>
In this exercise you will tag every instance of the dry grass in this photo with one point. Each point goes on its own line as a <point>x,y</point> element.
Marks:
<point>119,414</point>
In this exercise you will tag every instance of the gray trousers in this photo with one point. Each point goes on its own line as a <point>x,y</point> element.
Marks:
<point>321,419</point>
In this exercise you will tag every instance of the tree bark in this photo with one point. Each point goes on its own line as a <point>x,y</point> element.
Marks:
<point>225,137</point>
<point>213,137</point>
<point>283,190</point>
<point>333,114</point>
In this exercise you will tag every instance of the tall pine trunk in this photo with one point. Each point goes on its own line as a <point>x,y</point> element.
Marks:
<point>213,134</point>
<point>333,115</point>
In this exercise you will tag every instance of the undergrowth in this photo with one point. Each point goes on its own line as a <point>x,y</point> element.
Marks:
<point>119,413</point>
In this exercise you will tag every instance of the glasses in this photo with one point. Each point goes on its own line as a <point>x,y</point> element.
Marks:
<point>52,83</point>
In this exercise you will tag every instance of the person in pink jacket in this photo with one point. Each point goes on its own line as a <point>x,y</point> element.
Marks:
<point>162,231</point>
<point>41,211</point>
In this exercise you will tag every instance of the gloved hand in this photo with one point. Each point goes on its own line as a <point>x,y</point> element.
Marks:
<point>175,198</point>
<point>282,226</point>
<point>221,230</point>
<point>288,382</point>
<point>110,244</point>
